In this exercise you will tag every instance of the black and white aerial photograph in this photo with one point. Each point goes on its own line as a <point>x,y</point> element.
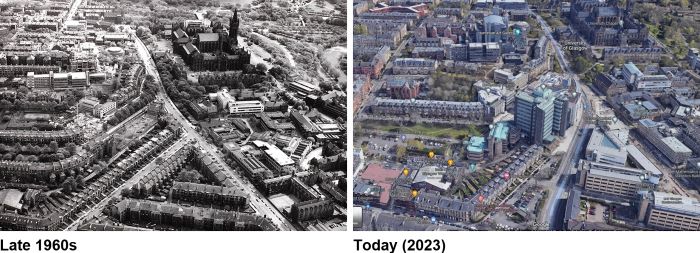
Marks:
<point>173,115</point>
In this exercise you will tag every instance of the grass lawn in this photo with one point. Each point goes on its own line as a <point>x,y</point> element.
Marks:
<point>425,130</point>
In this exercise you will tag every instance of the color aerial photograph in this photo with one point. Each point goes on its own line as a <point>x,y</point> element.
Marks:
<point>171,115</point>
<point>507,115</point>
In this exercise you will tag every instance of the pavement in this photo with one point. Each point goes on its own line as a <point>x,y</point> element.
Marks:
<point>71,12</point>
<point>567,168</point>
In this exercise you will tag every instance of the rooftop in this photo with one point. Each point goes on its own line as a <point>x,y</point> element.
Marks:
<point>500,131</point>
<point>630,67</point>
<point>208,36</point>
<point>384,177</point>
<point>11,198</point>
<point>274,152</point>
<point>612,174</point>
<point>619,172</point>
<point>433,176</point>
<point>648,123</point>
<point>676,203</point>
<point>476,144</point>
<point>494,19</point>
<point>676,145</point>
<point>642,160</point>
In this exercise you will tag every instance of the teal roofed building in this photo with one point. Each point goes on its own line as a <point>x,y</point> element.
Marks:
<point>498,139</point>
<point>475,148</point>
<point>499,131</point>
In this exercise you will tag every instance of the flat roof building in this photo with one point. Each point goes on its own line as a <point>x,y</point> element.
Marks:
<point>475,148</point>
<point>382,177</point>
<point>303,87</point>
<point>642,160</point>
<point>668,211</point>
<point>431,178</point>
<point>245,107</point>
<point>660,135</point>
<point>604,149</point>
<point>615,183</point>
<point>274,155</point>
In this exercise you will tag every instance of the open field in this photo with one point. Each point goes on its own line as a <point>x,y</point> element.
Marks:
<point>426,130</point>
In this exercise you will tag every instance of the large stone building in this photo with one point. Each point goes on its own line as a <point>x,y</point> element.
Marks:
<point>226,197</point>
<point>473,111</point>
<point>170,214</point>
<point>212,51</point>
<point>604,24</point>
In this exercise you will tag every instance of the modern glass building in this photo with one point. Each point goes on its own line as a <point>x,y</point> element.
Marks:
<point>534,115</point>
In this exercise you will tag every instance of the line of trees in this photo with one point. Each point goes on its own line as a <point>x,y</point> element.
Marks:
<point>147,95</point>
<point>26,100</point>
<point>180,90</point>
<point>71,184</point>
<point>36,153</point>
<point>237,80</point>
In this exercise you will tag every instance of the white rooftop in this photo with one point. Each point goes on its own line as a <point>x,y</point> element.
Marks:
<point>676,145</point>
<point>676,203</point>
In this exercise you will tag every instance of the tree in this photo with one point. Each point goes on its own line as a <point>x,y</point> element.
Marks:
<point>667,61</point>
<point>618,61</point>
<point>71,147</point>
<point>80,180</point>
<point>359,29</point>
<point>416,144</point>
<point>143,32</point>
<point>23,90</point>
<point>599,68</point>
<point>64,152</point>
<point>98,167</point>
<point>7,156</point>
<point>581,64</point>
<point>126,192</point>
<point>261,68</point>
<point>400,152</point>
<point>191,176</point>
<point>32,158</point>
<point>68,185</point>
<point>54,146</point>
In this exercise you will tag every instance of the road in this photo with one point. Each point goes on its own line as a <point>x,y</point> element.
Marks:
<point>377,84</point>
<point>564,174</point>
<point>259,203</point>
<point>670,182</point>
<point>95,210</point>
<point>73,8</point>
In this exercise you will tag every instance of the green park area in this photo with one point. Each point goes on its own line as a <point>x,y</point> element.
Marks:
<point>428,130</point>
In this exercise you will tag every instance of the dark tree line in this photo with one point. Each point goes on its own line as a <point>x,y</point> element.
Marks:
<point>36,153</point>
<point>25,100</point>
<point>180,90</point>
<point>147,96</point>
